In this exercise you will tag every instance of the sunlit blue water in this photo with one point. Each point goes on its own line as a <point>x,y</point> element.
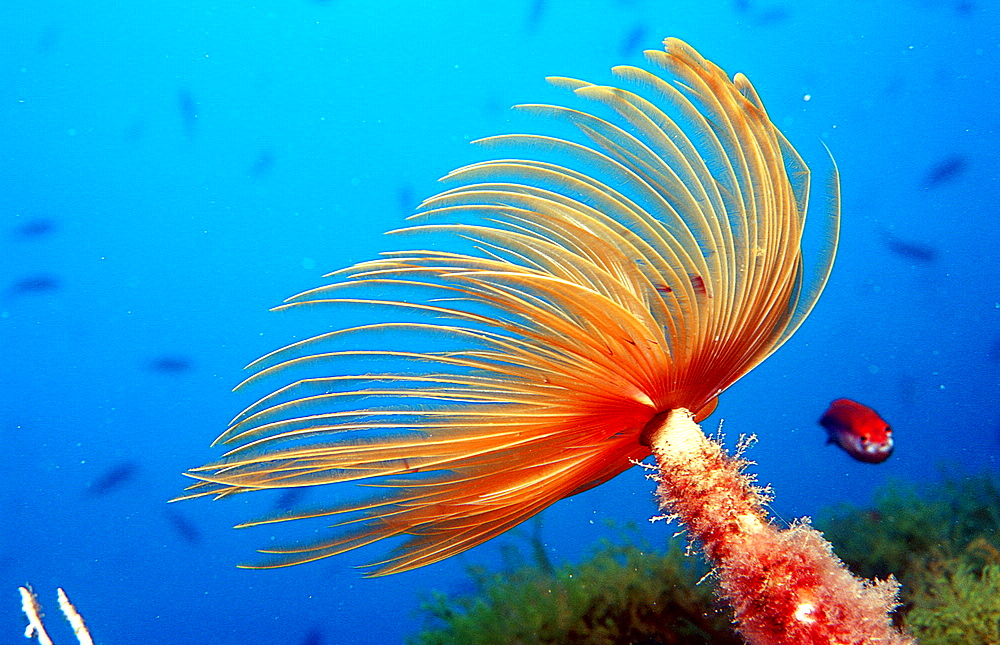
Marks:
<point>170,170</point>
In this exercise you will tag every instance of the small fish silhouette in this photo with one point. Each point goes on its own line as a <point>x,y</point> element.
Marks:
<point>912,250</point>
<point>35,284</point>
<point>113,479</point>
<point>171,364</point>
<point>35,228</point>
<point>945,171</point>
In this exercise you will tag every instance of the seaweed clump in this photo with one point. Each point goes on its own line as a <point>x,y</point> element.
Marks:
<point>942,543</point>
<point>962,608</point>
<point>624,592</point>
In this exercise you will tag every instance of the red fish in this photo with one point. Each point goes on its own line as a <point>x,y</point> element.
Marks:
<point>859,430</point>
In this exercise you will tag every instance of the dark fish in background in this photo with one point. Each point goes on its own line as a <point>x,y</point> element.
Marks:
<point>632,40</point>
<point>535,13</point>
<point>48,40</point>
<point>944,171</point>
<point>113,479</point>
<point>35,284</point>
<point>135,130</point>
<point>313,637</point>
<point>859,430</point>
<point>965,7</point>
<point>993,353</point>
<point>406,200</point>
<point>188,108</point>
<point>183,527</point>
<point>171,364</point>
<point>35,228</point>
<point>762,17</point>
<point>772,16</point>
<point>290,498</point>
<point>263,164</point>
<point>907,388</point>
<point>911,250</point>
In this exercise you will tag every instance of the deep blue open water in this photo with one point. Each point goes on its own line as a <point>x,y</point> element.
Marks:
<point>170,170</point>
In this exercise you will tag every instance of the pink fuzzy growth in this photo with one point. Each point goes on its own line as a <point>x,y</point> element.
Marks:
<point>786,586</point>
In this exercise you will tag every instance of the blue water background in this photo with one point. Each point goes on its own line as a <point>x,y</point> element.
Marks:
<point>170,170</point>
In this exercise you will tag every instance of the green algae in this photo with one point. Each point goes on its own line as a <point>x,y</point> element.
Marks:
<point>942,542</point>
<point>960,607</point>
<point>624,592</point>
<point>909,532</point>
